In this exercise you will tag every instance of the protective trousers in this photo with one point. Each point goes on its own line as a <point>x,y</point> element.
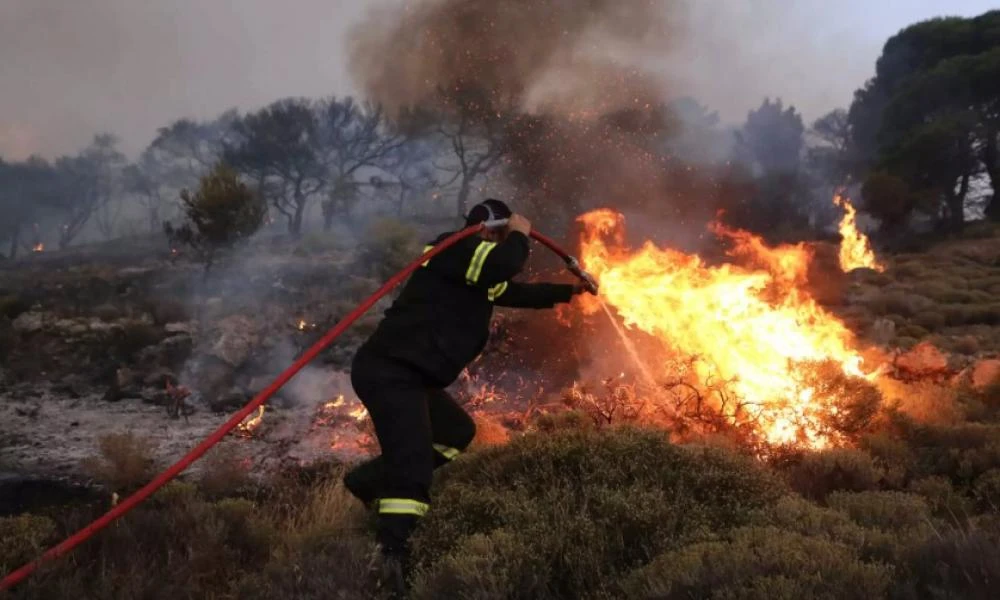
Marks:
<point>419,428</point>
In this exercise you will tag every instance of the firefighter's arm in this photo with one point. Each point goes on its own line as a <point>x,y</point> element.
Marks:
<point>532,295</point>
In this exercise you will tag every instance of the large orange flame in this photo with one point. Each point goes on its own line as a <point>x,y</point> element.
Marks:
<point>751,326</point>
<point>855,250</point>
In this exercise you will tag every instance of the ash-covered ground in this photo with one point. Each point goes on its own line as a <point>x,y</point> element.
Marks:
<point>99,340</point>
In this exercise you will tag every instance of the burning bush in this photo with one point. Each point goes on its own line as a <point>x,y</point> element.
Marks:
<point>521,517</point>
<point>222,212</point>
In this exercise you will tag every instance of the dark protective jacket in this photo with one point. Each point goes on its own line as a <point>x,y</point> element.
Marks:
<point>441,320</point>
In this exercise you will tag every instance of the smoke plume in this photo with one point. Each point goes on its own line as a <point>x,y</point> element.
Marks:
<point>563,82</point>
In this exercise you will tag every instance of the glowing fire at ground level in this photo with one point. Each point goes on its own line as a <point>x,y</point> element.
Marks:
<point>746,337</point>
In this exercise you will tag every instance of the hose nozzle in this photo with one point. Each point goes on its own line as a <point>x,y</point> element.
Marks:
<point>588,280</point>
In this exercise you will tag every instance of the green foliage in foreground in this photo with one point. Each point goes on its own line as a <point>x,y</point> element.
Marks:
<point>620,513</point>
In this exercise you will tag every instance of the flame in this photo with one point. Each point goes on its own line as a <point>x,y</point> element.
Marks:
<point>251,423</point>
<point>745,332</point>
<point>39,247</point>
<point>359,413</point>
<point>855,250</point>
<point>302,325</point>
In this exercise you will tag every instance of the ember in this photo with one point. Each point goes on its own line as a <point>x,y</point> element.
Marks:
<point>38,248</point>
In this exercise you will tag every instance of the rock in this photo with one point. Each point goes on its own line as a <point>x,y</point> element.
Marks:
<point>985,373</point>
<point>924,360</point>
<point>29,322</point>
<point>236,338</point>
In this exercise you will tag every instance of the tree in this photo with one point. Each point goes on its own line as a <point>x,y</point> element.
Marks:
<point>222,212</point>
<point>770,144</point>
<point>86,183</point>
<point>888,198</point>
<point>931,114</point>
<point>147,180</point>
<point>352,138</point>
<point>27,190</point>
<point>771,140</point>
<point>186,149</point>
<point>281,148</point>
<point>832,157</point>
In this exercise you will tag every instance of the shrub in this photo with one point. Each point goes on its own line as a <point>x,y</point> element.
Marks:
<point>388,247</point>
<point>882,510</point>
<point>12,306</point>
<point>128,340</point>
<point>221,213</point>
<point>583,507</point>
<point>957,564</point>
<point>968,345</point>
<point>24,537</point>
<point>124,462</point>
<point>986,490</point>
<point>817,474</point>
<point>223,472</point>
<point>913,331</point>
<point>760,563</point>
<point>941,497</point>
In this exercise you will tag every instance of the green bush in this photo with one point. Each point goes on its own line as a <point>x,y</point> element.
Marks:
<point>760,563</point>
<point>882,509</point>
<point>388,247</point>
<point>816,474</point>
<point>24,537</point>
<point>583,507</point>
<point>132,337</point>
<point>986,490</point>
<point>959,563</point>
<point>930,320</point>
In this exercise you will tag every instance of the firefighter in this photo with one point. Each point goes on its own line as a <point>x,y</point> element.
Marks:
<point>437,326</point>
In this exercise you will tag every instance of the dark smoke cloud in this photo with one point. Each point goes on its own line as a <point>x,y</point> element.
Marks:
<point>568,82</point>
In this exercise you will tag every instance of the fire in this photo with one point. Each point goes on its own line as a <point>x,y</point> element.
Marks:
<point>252,423</point>
<point>746,332</point>
<point>39,247</point>
<point>358,414</point>
<point>855,249</point>
<point>302,325</point>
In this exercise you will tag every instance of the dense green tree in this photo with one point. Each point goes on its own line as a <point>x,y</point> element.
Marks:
<point>220,213</point>
<point>931,114</point>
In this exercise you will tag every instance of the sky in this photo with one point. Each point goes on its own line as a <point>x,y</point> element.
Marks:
<point>73,68</point>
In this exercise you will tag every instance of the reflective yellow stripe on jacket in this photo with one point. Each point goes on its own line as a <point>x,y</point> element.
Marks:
<point>402,506</point>
<point>478,260</point>
<point>496,291</point>
<point>447,451</point>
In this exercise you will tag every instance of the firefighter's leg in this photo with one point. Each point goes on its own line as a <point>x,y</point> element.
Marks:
<point>453,428</point>
<point>365,480</point>
<point>397,402</point>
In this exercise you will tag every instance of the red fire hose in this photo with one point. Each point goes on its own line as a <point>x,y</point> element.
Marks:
<point>146,491</point>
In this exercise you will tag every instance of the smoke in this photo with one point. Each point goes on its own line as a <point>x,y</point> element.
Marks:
<point>570,87</point>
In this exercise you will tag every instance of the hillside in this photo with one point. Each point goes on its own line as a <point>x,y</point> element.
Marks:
<point>561,499</point>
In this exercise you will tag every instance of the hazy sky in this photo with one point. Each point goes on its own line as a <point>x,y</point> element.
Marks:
<point>71,68</point>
